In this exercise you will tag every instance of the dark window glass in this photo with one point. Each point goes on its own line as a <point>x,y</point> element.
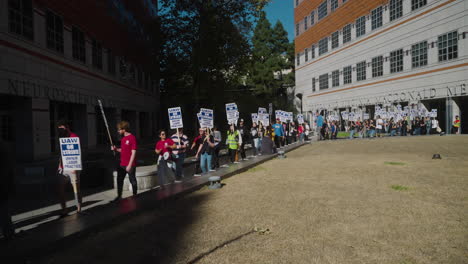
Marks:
<point>323,81</point>
<point>377,66</point>
<point>78,45</point>
<point>20,18</point>
<point>396,61</point>
<point>377,18</point>
<point>97,54</point>
<point>448,46</point>
<point>361,71</point>
<point>54,28</point>
<point>419,54</point>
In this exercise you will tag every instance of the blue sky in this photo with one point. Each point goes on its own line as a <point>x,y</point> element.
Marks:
<point>282,10</point>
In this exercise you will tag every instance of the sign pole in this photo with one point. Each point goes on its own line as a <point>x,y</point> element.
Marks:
<point>107,125</point>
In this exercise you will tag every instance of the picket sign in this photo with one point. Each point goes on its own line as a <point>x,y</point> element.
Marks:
<point>175,117</point>
<point>71,153</point>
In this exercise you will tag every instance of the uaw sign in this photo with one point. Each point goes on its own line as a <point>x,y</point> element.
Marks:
<point>175,117</point>
<point>71,153</point>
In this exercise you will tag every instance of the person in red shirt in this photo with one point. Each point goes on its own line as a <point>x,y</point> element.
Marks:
<point>300,131</point>
<point>128,147</point>
<point>163,146</point>
<point>195,146</point>
<point>72,176</point>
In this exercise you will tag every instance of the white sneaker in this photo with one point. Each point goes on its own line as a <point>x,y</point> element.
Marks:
<point>211,170</point>
<point>177,181</point>
<point>197,175</point>
<point>236,162</point>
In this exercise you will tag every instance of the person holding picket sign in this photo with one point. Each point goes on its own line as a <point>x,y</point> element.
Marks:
<point>65,176</point>
<point>205,152</point>
<point>182,143</point>
<point>164,149</point>
<point>128,147</point>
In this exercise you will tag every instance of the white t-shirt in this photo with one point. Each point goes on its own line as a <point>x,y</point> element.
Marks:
<point>379,123</point>
<point>435,123</point>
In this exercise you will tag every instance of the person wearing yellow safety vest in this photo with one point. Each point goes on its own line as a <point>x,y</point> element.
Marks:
<point>233,142</point>
<point>456,125</point>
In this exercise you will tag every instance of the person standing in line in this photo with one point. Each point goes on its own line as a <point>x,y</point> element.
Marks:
<point>422,125</point>
<point>181,141</point>
<point>65,176</point>
<point>417,127</point>
<point>195,145</point>
<point>352,129</point>
<point>434,125</point>
<point>404,127</point>
<point>205,152</point>
<point>334,130</point>
<point>254,133</point>
<point>325,130</point>
<point>163,149</point>
<point>456,125</point>
<point>428,125</point>
<point>7,189</point>
<point>217,139</point>
<point>319,123</point>
<point>300,131</point>
<point>268,147</point>
<point>279,133</point>
<point>371,128</point>
<point>379,126</point>
<point>244,132</point>
<point>393,127</point>
<point>261,134</point>
<point>128,148</point>
<point>233,141</point>
<point>306,131</point>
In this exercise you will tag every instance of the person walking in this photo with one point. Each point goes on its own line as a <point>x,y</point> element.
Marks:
<point>244,132</point>
<point>279,133</point>
<point>163,149</point>
<point>197,141</point>
<point>68,176</point>
<point>300,131</point>
<point>379,126</point>
<point>217,139</point>
<point>319,126</point>
<point>128,148</point>
<point>352,129</point>
<point>434,126</point>
<point>456,125</point>
<point>255,135</point>
<point>205,153</point>
<point>181,141</point>
<point>233,141</point>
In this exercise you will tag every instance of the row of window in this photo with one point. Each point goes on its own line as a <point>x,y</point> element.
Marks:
<point>396,11</point>
<point>447,45</point>
<point>20,22</point>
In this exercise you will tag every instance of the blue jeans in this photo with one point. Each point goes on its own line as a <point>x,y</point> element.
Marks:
<point>180,165</point>
<point>351,134</point>
<point>372,133</point>
<point>204,160</point>
<point>393,132</point>
<point>417,131</point>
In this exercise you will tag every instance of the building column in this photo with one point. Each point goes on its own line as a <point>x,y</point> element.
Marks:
<point>451,110</point>
<point>91,120</point>
<point>40,127</point>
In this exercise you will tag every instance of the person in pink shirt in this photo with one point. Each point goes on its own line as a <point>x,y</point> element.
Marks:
<point>128,147</point>
<point>163,146</point>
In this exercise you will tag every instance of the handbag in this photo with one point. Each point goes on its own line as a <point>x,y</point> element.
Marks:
<point>438,129</point>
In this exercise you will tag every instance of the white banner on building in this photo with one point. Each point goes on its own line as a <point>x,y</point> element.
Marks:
<point>175,117</point>
<point>71,153</point>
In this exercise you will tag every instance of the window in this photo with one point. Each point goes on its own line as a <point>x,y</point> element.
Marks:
<point>448,46</point>
<point>297,29</point>
<point>110,62</point>
<point>97,54</point>
<point>312,51</point>
<point>347,78</point>
<point>336,78</point>
<point>347,33</point>
<point>335,40</point>
<point>54,32</point>
<point>312,18</point>
<point>419,54</point>
<point>313,84</point>
<point>415,4</point>
<point>298,59</point>
<point>78,45</point>
<point>333,5</point>
<point>396,61</point>
<point>376,18</point>
<point>361,71</point>
<point>306,54</point>
<point>323,46</point>
<point>305,23</point>
<point>396,9</point>
<point>377,66</point>
<point>20,18</point>
<point>360,26</point>
<point>322,10</point>
<point>323,81</point>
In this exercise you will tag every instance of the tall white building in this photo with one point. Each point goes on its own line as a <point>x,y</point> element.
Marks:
<point>355,54</point>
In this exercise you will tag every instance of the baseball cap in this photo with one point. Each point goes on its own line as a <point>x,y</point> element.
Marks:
<point>242,120</point>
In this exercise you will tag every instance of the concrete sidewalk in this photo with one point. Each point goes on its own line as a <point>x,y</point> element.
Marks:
<point>99,212</point>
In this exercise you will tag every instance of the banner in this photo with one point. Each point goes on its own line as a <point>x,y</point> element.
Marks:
<point>71,153</point>
<point>175,117</point>
<point>232,113</point>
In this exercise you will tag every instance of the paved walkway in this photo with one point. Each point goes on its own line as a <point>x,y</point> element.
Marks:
<point>45,231</point>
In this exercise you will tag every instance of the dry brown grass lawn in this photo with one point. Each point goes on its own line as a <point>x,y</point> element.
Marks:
<point>329,202</point>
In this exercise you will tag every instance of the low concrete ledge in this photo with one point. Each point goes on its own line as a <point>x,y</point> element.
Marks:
<point>146,178</point>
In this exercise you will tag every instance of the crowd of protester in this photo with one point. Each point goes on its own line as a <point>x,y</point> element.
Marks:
<point>379,127</point>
